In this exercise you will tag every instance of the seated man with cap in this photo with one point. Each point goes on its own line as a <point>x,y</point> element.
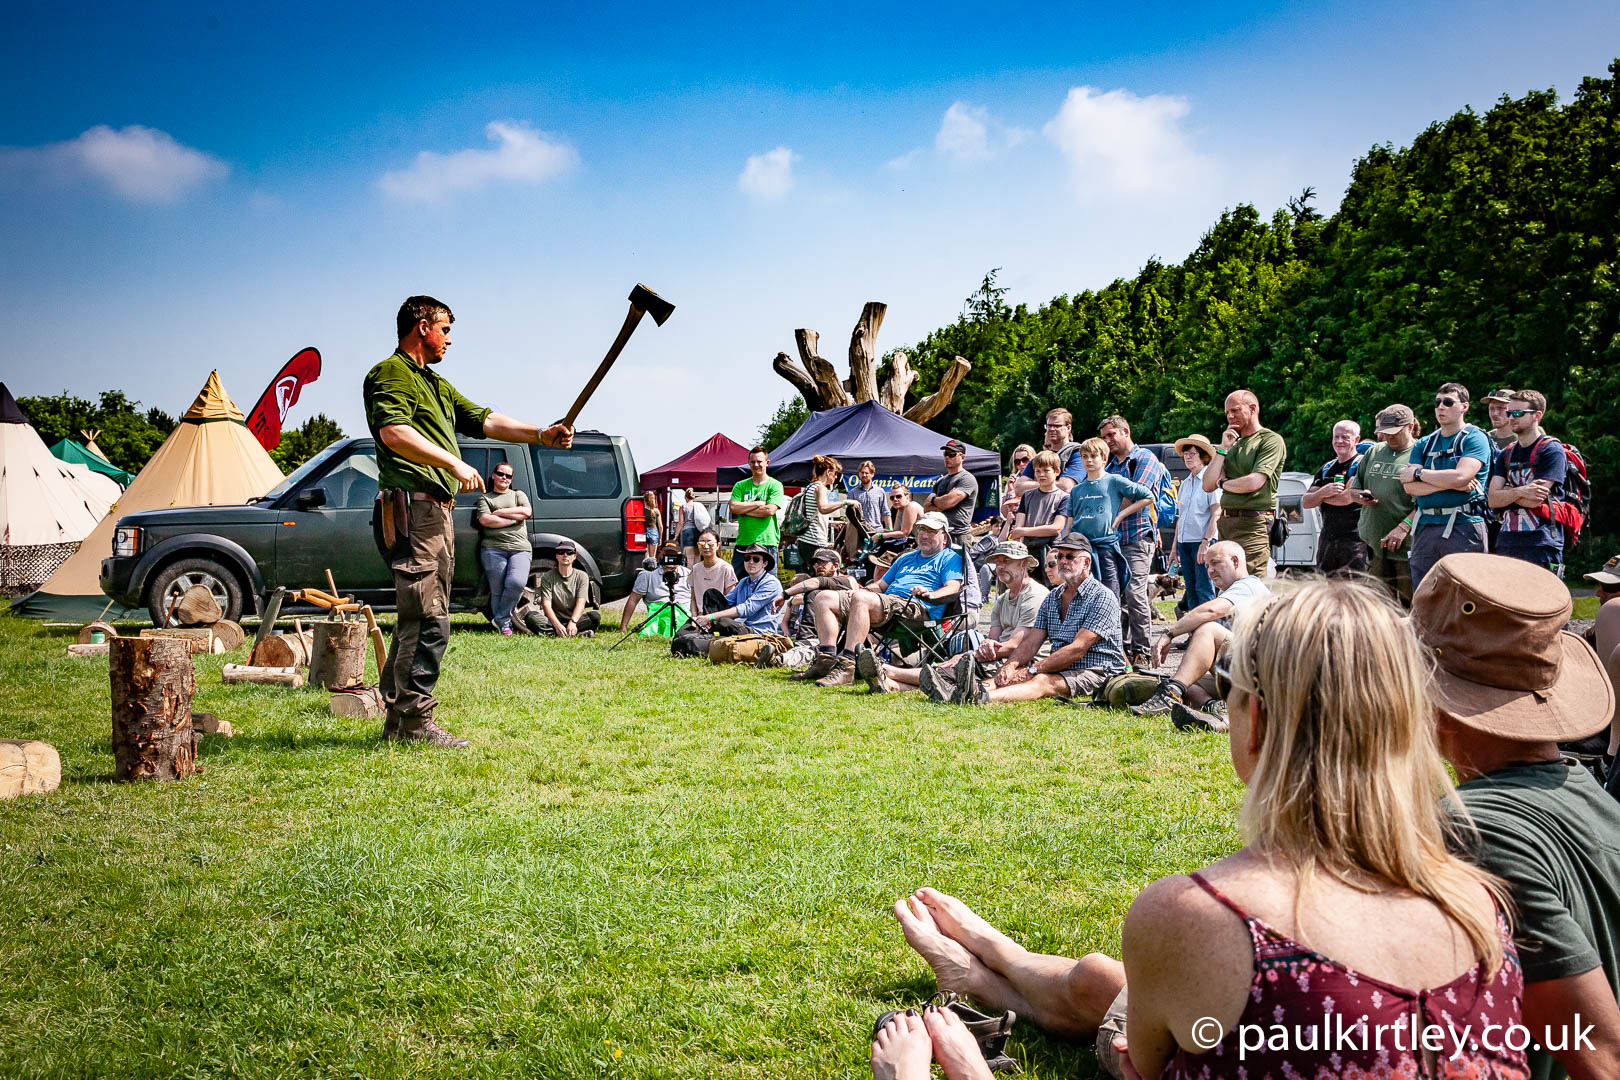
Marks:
<point>1011,615</point>
<point>1508,685</point>
<point>913,589</point>
<point>825,573</point>
<point>1081,620</point>
<point>750,607</point>
<point>1208,628</point>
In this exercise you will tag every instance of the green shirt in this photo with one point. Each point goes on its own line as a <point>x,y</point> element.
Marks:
<point>564,592</point>
<point>513,537</point>
<point>398,392</point>
<point>1380,473</point>
<point>1262,452</point>
<point>1549,831</point>
<point>758,530</point>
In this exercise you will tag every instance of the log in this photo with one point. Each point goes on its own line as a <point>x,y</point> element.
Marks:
<point>935,403</point>
<point>197,607</point>
<point>28,767</point>
<point>339,656</point>
<point>152,685</point>
<point>829,386</point>
<point>363,704</point>
<point>269,676</point>
<point>801,380</point>
<point>89,649</point>
<point>230,634</point>
<point>898,384</point>
<point>863,352</point>
<point>90,628</point>
<point>206,723</point>
<point>283,650</point>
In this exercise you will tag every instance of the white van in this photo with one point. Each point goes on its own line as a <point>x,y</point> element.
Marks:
<point>1304,526</point>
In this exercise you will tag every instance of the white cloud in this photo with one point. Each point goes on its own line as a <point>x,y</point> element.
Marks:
<point>1119,143</point>
<point>768,176</point>
<point>137,163</point>
<point>968,134</point>
<point>521,155</point>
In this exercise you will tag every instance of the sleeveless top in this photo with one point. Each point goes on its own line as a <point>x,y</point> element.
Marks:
<point>1325,1021</point>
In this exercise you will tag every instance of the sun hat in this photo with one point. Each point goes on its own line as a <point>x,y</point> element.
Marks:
<point>1200,443</point>
<point>759,549</point>
<point>1072,542</point>
<point>1393,419</point>
<point>1503,663</point>
<point>1015,550</point>
<point>1609,575</point>
<point>826,555</point>
<point>933,520</point>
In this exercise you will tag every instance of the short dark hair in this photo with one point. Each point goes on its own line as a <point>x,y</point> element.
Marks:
<point>1533,398</point>
<point>1115,421</point>
<point>417,308</point>
<point>758,450</point>
<point>708,532</point>
<point>1455,388</point>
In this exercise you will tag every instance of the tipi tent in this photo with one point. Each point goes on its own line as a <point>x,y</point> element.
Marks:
<point>76,454</point>
<point>209,459</point>
<point>45,509</point>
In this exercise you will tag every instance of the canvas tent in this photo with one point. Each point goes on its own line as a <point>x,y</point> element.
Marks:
<point>76,454</point>
<point>902,451</point>
<point>209,459</point>
<point>697,468</point>
<point>45,508</point>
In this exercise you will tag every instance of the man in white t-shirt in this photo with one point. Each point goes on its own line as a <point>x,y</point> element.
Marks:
<point>1208,628</point>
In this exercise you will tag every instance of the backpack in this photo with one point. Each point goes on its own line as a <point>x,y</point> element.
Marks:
<point>1163,509</point>
<point>1568,506</point>
<point>796,520</point>
<point>743,648</point>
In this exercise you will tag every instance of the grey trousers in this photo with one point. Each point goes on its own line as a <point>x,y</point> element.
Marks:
<point>1137,613</point>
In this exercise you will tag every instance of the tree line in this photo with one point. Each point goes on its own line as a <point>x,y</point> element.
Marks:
<point>1484,252</point>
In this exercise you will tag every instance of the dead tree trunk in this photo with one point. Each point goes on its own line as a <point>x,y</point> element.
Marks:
<point>863,352</point>
<point>152,685</point>
<point>828,385</point>
<point>818,383</point>
<point>935,403</point>
<point>895,387</point>
<point>339,656</point>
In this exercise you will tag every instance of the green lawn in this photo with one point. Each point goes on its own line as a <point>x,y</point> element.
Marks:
<point>643,867</point>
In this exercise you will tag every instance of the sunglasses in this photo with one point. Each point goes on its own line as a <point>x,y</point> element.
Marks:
<point>1068,556</point>
<point>753,558</point>
<point>1446,402</point>
<point>897,498</point>
<point>1223,678</point>
<point>504,475</point>
<point>1516,413</point>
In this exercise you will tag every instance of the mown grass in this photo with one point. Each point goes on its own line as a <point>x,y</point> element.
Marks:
<point>644,867</point>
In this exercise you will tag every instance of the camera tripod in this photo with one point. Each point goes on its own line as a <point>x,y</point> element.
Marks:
<point>677,617</point>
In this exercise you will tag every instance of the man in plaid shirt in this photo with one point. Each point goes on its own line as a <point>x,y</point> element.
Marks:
<point>1138,538</point>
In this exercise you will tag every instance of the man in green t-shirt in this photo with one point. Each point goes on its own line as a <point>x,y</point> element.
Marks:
<point>1245,471</point>
<point>1544,826</point>
<point>1385,524</point>
<point>415,414</point>
<point>754,503</point>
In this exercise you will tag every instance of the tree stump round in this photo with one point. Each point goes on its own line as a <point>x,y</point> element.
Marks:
<point>152,685</point>
<point>338,658</point>
<point>283,650</point>
<point>228,634</point>
<point>28,767</point>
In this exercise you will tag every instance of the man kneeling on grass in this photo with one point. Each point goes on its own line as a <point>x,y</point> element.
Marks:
<point>912,590</point>
<point>1209,629</point>
<point>1081,620</point>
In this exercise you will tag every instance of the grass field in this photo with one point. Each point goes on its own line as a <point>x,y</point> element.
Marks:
<point>643,867</point>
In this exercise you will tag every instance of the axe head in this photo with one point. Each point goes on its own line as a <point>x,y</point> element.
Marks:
<point>653,304</point>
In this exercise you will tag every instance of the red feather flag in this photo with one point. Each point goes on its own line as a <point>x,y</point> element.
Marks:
<point>271,412</point>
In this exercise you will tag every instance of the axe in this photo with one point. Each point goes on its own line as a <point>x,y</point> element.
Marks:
<point>643,301</point>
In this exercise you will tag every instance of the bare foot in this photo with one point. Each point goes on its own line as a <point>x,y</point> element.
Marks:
<point>957,921</point>
<point>902,1049</point>
<point>955,1048</point>
<point>954,967</point>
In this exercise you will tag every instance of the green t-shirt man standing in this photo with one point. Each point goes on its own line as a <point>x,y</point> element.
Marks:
<point>415,414</point>
<point>1247,466</point>
<point>754,503</point>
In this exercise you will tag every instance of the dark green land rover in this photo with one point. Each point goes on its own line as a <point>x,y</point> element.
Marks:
<point>319,518</point>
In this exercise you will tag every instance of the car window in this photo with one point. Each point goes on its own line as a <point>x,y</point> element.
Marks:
<point>590,472</point>
<point>484,459</point>
<point>1291,510</point>
<point>352,482</point>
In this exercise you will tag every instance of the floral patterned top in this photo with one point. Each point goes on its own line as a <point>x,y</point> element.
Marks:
<point>1312,1018</point>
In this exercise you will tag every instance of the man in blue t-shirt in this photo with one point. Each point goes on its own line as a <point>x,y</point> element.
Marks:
<point>1447,482</point>
<point>1528,478</point>
<point>913,589</point>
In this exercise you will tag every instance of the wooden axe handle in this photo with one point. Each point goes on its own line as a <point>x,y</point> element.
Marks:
<point>629,327</point>
<point>377,645</point>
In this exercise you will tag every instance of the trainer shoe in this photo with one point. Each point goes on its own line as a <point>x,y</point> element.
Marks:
<point>842,673</point>
<point>868,668</point>
<point>433,735</point>
<point>819,667</point>
<point>766,657</point>
<point>1159,704</point>
<point>1187,718</point>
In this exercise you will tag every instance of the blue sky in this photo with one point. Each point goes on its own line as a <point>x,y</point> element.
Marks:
<point>191,187</point>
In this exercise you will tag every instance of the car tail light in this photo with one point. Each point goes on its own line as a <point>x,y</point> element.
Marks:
<point>635,525</point>
<point>126,542</point>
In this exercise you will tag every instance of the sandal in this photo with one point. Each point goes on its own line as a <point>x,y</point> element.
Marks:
<point>990,1032</point>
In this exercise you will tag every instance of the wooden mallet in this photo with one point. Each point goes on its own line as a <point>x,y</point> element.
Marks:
<point>643,301</point>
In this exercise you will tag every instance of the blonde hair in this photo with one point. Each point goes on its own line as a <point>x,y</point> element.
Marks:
<point>1095,446</point>
<point>1349,779</point>
<point>1046,460</point>
<point>819,465</point>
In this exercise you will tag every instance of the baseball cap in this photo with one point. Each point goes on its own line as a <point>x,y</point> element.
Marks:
<point>1393,419</point>
<point>565,547</point>
<point>826,555</point>
<point>1500,395</point>
<point>933,520</point>
<point>1072,542</point>
<point>955,447</point>
<point>1609,575</point>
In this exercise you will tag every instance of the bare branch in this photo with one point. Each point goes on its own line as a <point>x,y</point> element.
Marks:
<point>936,403</point>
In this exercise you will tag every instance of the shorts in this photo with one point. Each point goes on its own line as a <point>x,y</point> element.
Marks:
<point>891,607</point>
<point>1083,682</point>
<point>1113,1024</point>
<point>689,536</point>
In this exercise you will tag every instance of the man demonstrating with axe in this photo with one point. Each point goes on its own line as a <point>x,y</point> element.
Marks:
<point>415,415</point>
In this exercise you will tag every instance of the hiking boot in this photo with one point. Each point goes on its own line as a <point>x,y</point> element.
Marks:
<point>390,726</point>
<point>842,673</point>
<point>1166,695</point>
<point>819,668</point>
<point>869,669</point>
<point>966,677</point>
<point>1142,661</point>
<point>938,682</point>
<point>766,657</point>
<point>433,735</point>
<point>1216,707</point>
<point>1187,718</point>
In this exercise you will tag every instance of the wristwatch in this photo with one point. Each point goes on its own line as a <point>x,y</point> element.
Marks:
<point>1417,472</point>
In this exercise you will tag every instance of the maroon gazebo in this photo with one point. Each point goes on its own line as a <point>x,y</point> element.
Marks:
<point>696,468</point>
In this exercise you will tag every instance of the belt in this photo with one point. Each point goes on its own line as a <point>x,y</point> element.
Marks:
<point>1245,513</point>
<point>422,496</point>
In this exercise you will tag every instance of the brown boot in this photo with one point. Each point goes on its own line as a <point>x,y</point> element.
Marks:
<point>842,673</point>
<point>390,726</point>
<point>434,735</point>
<point>819,667</point>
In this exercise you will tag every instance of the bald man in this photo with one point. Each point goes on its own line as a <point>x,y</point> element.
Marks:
<point>1247,466</point>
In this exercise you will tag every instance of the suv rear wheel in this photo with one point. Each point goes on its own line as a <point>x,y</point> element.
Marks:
<point>173,580</point>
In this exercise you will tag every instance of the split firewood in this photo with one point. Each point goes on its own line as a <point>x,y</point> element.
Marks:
<point>230,634</point>
<point>28,767</point>
<point>270,676</point>
<point>206,723</point>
